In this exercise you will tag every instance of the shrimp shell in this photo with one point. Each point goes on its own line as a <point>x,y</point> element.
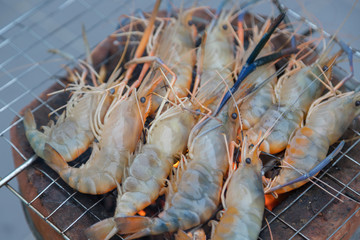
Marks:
<point>177,51</point>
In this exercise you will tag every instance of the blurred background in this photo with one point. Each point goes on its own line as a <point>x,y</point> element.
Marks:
<point>28,29</point>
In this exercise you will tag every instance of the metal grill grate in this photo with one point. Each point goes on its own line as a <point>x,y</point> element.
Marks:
<point>26,70</point>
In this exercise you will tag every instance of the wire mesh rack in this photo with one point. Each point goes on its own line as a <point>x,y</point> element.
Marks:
<point>27,70</point>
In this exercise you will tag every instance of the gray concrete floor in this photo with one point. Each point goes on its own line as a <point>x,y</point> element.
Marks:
<point>40,25</point>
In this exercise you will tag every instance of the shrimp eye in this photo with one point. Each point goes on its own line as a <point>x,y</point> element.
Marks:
<point>197,111</point>
<point>357,103</point>
<point>112,91</point>
<point>225,26</point>
<point>234,115</point>
<point>142,99</point>
<point>325,68</point>
<point>190,22</point>
<point>251,146</point>
<point>248,160</point>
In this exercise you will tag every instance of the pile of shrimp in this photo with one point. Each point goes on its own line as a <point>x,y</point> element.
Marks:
<point>189,116</point>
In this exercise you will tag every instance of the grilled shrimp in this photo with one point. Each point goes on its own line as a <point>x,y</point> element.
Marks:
<point>72,134</point>
<point>177,50</point>
<point>244,201</point>
<point>198,191</point>
<point>295,91</point>
<point>119,136</point>
<point>167,140</point>
<point>325,124</point>
<point>217,60</point>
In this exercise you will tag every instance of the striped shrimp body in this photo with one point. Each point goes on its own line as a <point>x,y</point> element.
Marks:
<point>72,134</point>
<point>325,124</point>
<point>295,91</point>
<point>244,201</point>
<point>196,194</point>
<point>119,136</point>
<point>166,142</point>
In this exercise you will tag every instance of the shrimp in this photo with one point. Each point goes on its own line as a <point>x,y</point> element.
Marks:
<point>295,91</point>
<point>245,201</point>
<point>198,191</point>
<point>310,143</point>
<point>72,134</point>
<point>119,136</point>
<point>177,50</point>
<point>216,59</point>
<point>167,140</point>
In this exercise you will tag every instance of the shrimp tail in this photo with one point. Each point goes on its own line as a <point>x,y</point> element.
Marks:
<point>37,141</point>
<point>313,171</point>
<point>181,235</point>
<point>36,138</point>
<point>29,121</point>
<point>54,159</point>
<point>104,229</point>
<point>139,226</point>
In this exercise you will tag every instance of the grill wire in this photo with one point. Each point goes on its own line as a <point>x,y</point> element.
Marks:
<point>23,71</point>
